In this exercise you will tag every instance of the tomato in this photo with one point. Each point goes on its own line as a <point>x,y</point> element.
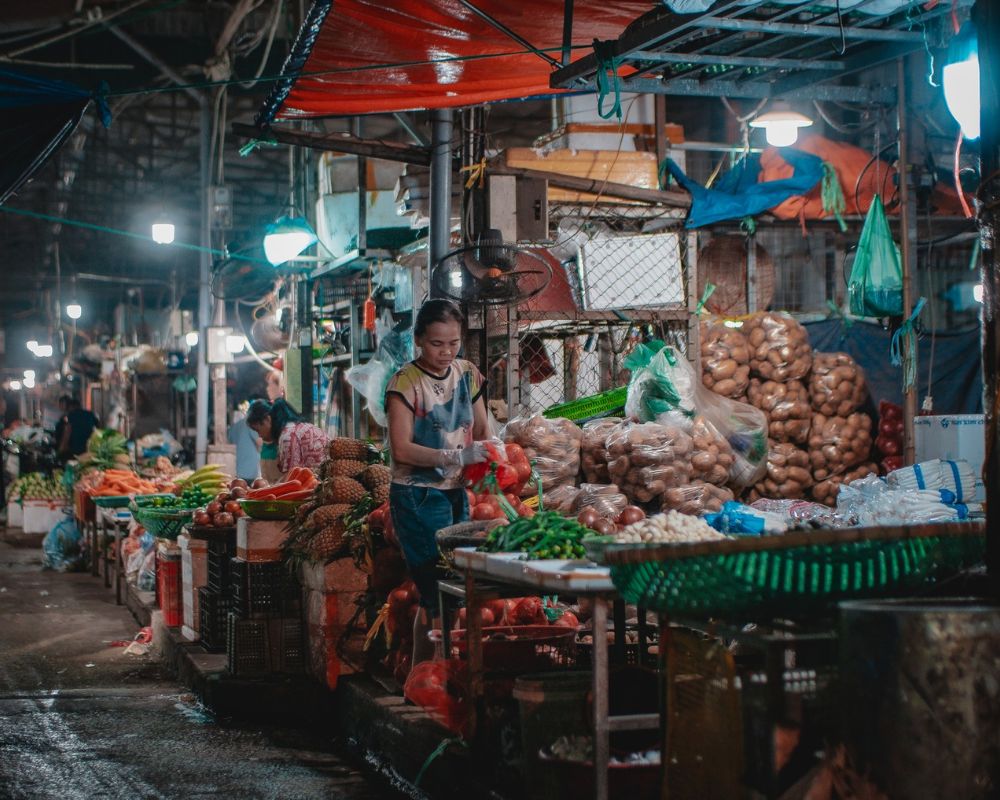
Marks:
<point>232,507</point>
<point>376,519</point>
<point>498,608</point>
<point>512,498</point>
<point>515,453</point>
<point>484,511</point>
<point>528,611</point>
<point>506,476</point>
<point>567,620</point>
<point>485,497</point>
<point>472,498</point>
<point>523,470</point>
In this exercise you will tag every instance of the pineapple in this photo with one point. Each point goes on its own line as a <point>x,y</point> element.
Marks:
<point>376,475</point>
<point>349,468</point>
<point>380,494</point>
<point>342,490</point>
<point>326,515</point>
<point>343,449</point>
<point>328,541</point>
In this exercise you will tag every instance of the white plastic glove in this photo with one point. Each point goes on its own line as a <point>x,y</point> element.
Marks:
<point>475,453</point>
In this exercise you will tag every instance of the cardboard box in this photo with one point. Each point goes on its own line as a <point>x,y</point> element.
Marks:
<point>953,437</point>
<point>194,575</point>
<point>633,169</point>
<point>330,592</point>
<point>260,539</point>
<point>15,515</point>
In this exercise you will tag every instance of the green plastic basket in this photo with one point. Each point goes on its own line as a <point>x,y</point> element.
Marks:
<point>802,579</point>
<point>165,523</point>
<point>113,501</point>
<point>604,404</point>
<point>270,509</point>
<point>145,500</point>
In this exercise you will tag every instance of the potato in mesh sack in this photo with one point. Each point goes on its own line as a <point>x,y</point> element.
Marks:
<point>696,498</point>
<point>553,447</point>
<point>788,474</point>
<point>725,358</point>
<point>712,458</point>
<point>837,386</point>
<point>779,346</point>
<point>594,450</point>
<point>645,459</point>
<point>836,444</point>
<point>786,406</point>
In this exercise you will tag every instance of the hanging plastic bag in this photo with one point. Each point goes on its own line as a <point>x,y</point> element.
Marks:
<point>875,288</point>
<point>371,378</point>
<point>61,547</point>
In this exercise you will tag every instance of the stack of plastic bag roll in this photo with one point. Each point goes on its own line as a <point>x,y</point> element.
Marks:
<point>957,477</point>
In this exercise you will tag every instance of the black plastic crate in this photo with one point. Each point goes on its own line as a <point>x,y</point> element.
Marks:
<point>220,553</point>
<point>213,613</point>
<point>263,589</point>
<point>258,647</point>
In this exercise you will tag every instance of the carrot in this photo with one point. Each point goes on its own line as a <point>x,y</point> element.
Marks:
<point>303,494</point>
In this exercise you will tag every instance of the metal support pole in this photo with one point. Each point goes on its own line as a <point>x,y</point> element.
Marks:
<point>204,285</point>
<point>908,237</point>
<point>986,16</point>
<point>440,233</point>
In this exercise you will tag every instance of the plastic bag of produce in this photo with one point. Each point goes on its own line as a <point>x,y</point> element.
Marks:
<point>826,491</point>
<point>62,547</point>
<point>875,288</point>
<point>725,358</point>
<point>441,689</point>
<point>801,512</point>
<point>667,390</point>
<point>786,406</point>
<point>646,459</point>
<point>551,445</point>
<point>561,499</point>
<point>838,443</point>
<point>594,450</point>
<point>788,473</point>
<point>779,346</point>
<point>696,498</point>
<point>712,460</point>
<point>605,499</point>
<point>837,386</point>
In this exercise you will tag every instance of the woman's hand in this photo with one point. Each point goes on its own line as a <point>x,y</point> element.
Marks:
<point>476,453</point>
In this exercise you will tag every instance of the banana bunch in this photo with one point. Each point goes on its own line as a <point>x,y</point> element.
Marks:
<point>209,478</point>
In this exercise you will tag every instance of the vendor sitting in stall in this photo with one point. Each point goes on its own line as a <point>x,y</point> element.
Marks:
<point>300,444</point>
<point>437,419</point>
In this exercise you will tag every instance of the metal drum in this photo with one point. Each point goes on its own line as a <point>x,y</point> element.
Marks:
<point>921,704</point>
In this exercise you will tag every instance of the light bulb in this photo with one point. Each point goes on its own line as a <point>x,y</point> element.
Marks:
<point>287,238</point>
<point>29,374</point>
<point>163,232</point>
<point>961,94</point>
<point>74,311</point>
<point>235,343</point>
<point>977,293</point>
<point>44,351</point>
<point>15,385</point>
<point>28,383</point>
<point>32,345</point>
<point>456,280</point>
<point>781,134</point>
<point>191,337</point>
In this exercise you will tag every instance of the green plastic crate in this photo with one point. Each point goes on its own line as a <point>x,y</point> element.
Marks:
<point>165,523</point>
<point>604,404</point>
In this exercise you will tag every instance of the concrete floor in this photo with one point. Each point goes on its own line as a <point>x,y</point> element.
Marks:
<point>80,720</point>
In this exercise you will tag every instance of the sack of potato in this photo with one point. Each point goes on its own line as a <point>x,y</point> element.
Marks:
<point>606,500</point>
<point>712,458</point>
<point>725,359</point>
<point>553,447</point>
<point>788,474</point>
<point>826,491</point>
<point>645,459</point>
<point>837,385</point>
<point>696,498</point>
<point>779,346</point>
<point>786,406</point>
<point>594,450</point>
<point>836,444</point>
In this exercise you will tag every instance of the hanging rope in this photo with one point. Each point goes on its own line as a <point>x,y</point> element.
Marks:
<point>956,169</point>
<point>477,173</point>
<point>607,61</point>
<point>833,195</point>
<point>906,337</point>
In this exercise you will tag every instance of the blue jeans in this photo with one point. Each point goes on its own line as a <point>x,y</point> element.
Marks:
<point>418,513</point>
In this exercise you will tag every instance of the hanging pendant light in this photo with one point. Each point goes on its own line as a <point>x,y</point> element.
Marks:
<point>960,79</point>
<point>287,238</point>
<point>781,124</point>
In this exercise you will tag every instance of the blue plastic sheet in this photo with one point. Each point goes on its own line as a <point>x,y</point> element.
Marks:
<point>738,194</point>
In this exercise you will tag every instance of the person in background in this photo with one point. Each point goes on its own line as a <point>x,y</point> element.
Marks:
<point>437,420</point>
<point>80,423</point>
<point>247,448</point>
<point>64,406</point>
<point>300,444</point>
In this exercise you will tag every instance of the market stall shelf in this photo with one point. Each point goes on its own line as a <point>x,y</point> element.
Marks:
<point>794,575</point>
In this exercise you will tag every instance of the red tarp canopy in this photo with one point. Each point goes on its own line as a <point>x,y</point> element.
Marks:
<point>351,41</point>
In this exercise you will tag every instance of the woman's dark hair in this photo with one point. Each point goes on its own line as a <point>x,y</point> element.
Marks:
<point>279,411</point>
<point>437,311</point>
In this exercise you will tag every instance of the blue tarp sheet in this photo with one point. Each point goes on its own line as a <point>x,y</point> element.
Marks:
<point>957,375</point>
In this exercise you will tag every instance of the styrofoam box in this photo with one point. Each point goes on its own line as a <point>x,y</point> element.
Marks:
<point>952,437</point>
<point>15,515</point>
<point>40,516</point>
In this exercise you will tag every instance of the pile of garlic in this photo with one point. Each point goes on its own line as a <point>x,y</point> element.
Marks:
<point>671,527</point>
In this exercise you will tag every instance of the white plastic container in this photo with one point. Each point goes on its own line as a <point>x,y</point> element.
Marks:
<point>952,437</point>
